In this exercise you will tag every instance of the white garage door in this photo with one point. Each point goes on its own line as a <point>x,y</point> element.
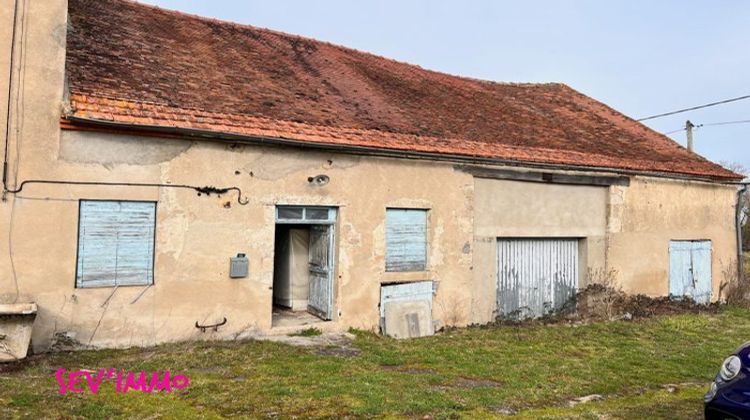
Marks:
<point>535,276</point>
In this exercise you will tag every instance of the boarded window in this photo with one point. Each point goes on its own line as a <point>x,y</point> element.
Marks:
<point>406,240</point>
<point>115,243</point>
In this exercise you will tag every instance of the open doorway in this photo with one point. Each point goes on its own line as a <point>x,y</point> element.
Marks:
<point>303,265</point>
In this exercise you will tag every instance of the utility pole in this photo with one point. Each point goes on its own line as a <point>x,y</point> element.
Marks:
<point>689,130</point>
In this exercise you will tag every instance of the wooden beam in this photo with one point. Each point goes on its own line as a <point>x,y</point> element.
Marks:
<point>543,177</point>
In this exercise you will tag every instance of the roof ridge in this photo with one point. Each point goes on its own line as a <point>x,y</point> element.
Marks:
<point>333,45</point>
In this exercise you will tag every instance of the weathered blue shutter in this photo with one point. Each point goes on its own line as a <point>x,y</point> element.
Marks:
<point>690,270</point>
<point>702,271</point>
<point>115,243</point>
<point>406,240</point>
<point>680,275</point>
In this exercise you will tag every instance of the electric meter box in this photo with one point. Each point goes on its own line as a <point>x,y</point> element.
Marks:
<point>238,266</point>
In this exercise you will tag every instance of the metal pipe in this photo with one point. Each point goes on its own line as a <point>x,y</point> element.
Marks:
<point>10,94</point>
<point>738,216</point>
<point>207,190</point>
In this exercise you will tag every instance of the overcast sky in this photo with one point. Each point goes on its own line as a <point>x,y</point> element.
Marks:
<point>640,57</point>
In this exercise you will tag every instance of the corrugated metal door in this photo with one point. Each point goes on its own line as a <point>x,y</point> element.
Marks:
<point>115,243</point>
<point>320,301</point>
<point>535,276</point>
<point>690,270</point>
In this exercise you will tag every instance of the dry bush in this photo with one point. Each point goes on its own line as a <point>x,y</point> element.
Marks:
<point>733,290</point>
<point>603,294</point>
<point>603,299</point>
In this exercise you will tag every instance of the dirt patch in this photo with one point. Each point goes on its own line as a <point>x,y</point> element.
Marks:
<point>325,344</point>
<point>472,383</point>
<point>19,365</point>
<point>338,351</point>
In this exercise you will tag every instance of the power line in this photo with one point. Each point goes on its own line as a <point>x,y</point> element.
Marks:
<point>709,124</point>
<point>739,98</point>
<point>729,122</point>
<point>674,131</point>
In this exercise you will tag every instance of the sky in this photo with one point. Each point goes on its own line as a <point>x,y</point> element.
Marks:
<point>639,57</point>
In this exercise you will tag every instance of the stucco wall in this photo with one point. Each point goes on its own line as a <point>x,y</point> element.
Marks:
<point>196,235</point>
<point>514,209</point>
<point>649,213</point>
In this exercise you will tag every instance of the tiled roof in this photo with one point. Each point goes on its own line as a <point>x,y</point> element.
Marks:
<point>140,65</point>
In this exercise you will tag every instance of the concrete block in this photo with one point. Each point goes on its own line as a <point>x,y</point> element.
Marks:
<point>16,321</point>
<point>408,319</point>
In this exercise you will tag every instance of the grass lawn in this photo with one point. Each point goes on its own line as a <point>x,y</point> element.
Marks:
<point>474,372</point>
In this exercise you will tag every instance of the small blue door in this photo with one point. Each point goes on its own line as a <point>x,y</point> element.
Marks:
<point>320,268</point>
<point>690,270</point>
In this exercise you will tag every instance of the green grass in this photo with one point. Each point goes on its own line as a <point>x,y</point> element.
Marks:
<point>475,372</point>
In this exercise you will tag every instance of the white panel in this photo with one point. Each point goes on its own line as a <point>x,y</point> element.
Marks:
<point>535,276</point>
<point>115,243</point>
<point>405,292</point>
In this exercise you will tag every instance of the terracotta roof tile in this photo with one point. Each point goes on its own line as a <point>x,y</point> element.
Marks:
<point>138,64</point>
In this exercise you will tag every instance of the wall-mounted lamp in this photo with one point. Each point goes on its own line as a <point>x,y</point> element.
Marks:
<point>318,180</point>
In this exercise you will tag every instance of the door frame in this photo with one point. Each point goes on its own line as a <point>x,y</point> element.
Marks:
<point>331,222</point>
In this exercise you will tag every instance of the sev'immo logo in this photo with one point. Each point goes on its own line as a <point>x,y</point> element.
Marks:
<point>147,382</point>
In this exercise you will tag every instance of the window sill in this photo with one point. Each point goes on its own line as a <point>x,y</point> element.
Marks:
<point>110,286</point>
<point>406,276</point>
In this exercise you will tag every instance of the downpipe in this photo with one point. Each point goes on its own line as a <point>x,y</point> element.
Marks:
<point>10,95</point>
<point>738,220</point>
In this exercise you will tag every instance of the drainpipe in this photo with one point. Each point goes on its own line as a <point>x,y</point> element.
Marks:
<point>740,257</point>
<point>10,95</point>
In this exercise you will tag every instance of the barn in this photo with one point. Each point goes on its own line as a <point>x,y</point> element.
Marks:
<point>172,177</point>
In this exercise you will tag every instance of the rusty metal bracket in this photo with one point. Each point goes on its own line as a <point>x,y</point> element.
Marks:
<point>215,327</point>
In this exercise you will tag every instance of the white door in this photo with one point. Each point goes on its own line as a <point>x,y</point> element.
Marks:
<point>690,270</point>
<point>320,301</point>
<point>535,276</point>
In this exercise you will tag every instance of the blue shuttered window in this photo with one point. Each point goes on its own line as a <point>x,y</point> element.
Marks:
<point>115,243</point>
<point>406,240</point>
